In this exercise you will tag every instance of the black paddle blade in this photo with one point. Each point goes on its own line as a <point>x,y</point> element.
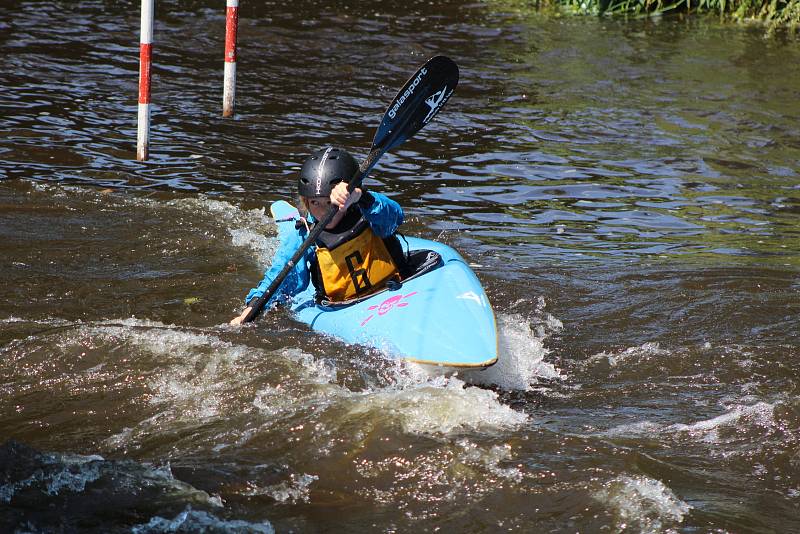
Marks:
<point>432,85</point>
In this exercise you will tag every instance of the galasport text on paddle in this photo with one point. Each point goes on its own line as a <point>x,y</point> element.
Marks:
<point>420,99</point>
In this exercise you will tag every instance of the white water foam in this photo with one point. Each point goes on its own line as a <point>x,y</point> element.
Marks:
<point>521,345</point>
<point>78,471</point>
<point>737,420</point>
<point>291,492</point>
<point>71,473</point>
<point>197,373</point>
<point>198,369</point>
<point>614,359</point>
<point>314,369</point>
<point>51,321</point>
<point>191,374</point>
<point>441,406</point>
<point>68,472</point>
<point>251,229</point>
<point>739,417</point>
<point>284,398</point>
<point>264,247</point>
<point>640,428</point>
<point>198,521</point>
<point>490,459</point>
<point>642,504</point>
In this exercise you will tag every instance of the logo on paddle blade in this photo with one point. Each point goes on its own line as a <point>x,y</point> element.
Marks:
<point>435,102</point>
<point>408,92</point>
<point>387,305</point>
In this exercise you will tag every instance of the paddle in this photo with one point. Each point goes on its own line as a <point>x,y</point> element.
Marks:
<point>431,85</point>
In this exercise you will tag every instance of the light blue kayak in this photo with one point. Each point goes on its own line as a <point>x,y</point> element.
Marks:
<point>441,317</point>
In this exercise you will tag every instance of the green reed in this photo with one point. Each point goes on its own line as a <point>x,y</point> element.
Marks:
<point>777,14</point>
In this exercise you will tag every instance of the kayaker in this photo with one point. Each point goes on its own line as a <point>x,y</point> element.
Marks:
<point>356,254</point>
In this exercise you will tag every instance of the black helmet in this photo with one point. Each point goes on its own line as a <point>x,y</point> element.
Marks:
<point>323,169</point>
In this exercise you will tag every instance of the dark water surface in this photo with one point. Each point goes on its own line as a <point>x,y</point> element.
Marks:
<point>627,191</point>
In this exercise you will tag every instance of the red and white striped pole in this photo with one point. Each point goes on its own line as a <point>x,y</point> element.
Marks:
<point>145,51</point>
<point>229,83</point>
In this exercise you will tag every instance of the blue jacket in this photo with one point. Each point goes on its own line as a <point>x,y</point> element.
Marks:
<point>384,216</point>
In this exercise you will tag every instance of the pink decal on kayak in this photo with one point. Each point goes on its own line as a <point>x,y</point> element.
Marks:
<point>387,305</point>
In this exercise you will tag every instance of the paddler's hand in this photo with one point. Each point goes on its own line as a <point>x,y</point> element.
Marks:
<point>238,320</point>
<point>341,197</point>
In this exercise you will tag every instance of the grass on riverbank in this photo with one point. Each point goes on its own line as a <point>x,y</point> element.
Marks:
<point>777,14</point>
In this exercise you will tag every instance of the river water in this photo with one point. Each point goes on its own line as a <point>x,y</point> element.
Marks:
<point>627,191</point>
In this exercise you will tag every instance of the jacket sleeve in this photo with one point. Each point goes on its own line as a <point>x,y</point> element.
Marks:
<point>296,281</point>
<point>383,214</point>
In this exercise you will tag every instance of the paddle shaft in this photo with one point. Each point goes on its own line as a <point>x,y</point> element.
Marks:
<point>256,305</point>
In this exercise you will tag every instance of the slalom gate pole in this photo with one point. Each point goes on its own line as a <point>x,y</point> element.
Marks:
<point>145,55</point>
<point>229,83</point>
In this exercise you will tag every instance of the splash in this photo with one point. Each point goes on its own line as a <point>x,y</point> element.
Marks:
<point>462,472</point>
<point>615,359</point>
<point>640,428</point>
<point>247,228</point>
<point>194,369</point>
<point>313,369</point>
<point>294,491</point>
<point>189,375</point>
<point>521,363</point>
<point>735,425</point>
<point>312,381</point>
<point>734,422</point>
<point>642,504</point>
<point>55,477</point>
<point>55,474</point>
<point>490,459</point>
<point>198,521</point>
<point>442,406</point>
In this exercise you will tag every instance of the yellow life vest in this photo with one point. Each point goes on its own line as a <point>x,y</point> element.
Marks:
<point>353,264</point>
